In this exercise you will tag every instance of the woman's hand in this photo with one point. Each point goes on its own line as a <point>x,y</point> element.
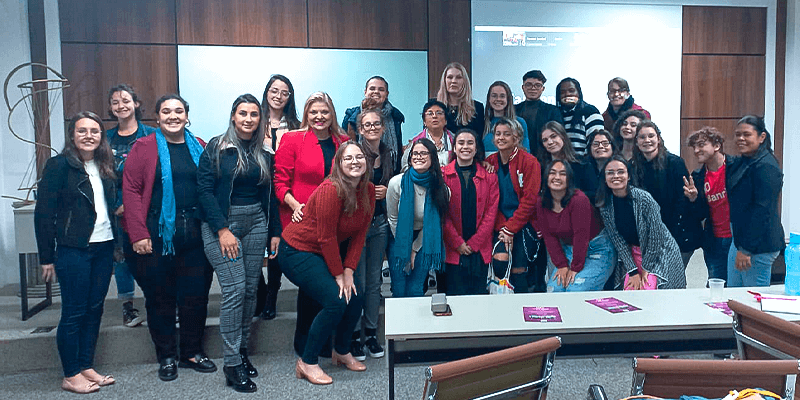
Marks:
<point>273,247</point>
<point>488,167</point>
<point>346,286</point>
<point>380,192</point>
<point>464,249</point>
<point>118,212</point>
<point>637,281</point>
<point>413,257</point>
<point>228,244</point>
<point>565,276</point>
<point>689,190</point>
<point>144,246</point>
<point>48,272</point>
<point>297,213</point>
<point>743,262</point>
<point>507,239</point>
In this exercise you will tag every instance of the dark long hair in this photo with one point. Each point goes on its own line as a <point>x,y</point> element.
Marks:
<point>387,162</point>
<point>256,147</point>
<point>638,162</point>
<point>124,87</point>
<point>618,124</point>
<point>577,86</point>
<point>758,124</point>
<point>289,110</point>
<point>567,149</point>
<point>103,157</point>
<point>547,196</point>
<point>353,199</point>
<point>590,139</point>
<point>604,194</point>
<point>438,187</point>
<point>479,153</point>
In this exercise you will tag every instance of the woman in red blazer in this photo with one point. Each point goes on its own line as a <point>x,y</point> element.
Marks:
<point>302,162</point>
<point>519,178</point>
<point>469,224</point>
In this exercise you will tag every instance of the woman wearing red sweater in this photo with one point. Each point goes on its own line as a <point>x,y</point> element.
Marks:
<point>581,257</point>
<point>469,223</point>
<point>339,209</point>
<point>519,178</point>
<point>302,161</point>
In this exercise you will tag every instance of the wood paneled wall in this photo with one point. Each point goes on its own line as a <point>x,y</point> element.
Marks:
<point>104,43</point>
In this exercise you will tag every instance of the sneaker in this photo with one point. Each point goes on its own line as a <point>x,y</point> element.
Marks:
<point>357,350</point>
<point>374,349</point>
<point>130,316</point>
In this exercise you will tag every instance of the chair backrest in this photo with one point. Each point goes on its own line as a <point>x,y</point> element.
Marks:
<point>761,336</point>
<point>672,378</point>
<point>521,372</point>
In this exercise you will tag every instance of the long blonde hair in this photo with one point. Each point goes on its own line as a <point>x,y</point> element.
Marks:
<point>465,105</point>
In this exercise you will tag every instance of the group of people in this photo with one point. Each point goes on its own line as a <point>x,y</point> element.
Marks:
<point>550,197</point>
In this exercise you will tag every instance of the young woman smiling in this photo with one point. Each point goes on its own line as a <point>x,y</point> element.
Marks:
<point>625,132</point>
<point>500,104</point>
<point>601,147</point>
<point>468,227</point>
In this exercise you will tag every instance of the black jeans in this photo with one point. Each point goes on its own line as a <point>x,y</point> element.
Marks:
<point>310,273</point>
<point>468,276</point>
<point>183,280</point>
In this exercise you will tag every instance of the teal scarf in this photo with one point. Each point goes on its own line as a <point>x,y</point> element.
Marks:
<point>431,255</point>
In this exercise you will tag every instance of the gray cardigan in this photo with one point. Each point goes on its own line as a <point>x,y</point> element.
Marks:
<point>660,253</point>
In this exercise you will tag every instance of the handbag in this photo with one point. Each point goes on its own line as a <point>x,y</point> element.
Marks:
<point>530,242</point>
<point>499,285</point>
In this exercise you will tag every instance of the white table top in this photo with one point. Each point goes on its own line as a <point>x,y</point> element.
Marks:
<point>486,315</point>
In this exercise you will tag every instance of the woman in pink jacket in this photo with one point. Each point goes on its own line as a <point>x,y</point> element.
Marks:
<point>469,224</point>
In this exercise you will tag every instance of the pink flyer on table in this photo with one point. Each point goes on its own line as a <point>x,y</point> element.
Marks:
<point>613,305</point>
<point>721,306</point>
<point>541,314</point>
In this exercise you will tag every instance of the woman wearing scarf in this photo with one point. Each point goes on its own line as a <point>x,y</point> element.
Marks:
<point>619,101</point>
<point>416,202</point>
<point>376,96</point>
<point>159,189</point>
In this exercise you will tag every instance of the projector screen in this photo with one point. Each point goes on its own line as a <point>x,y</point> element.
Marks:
<point>592,43</point>
<point>211,77</point>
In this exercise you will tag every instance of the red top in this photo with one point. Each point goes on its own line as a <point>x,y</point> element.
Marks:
<point>576,225</point>
<point>718,206</point>
<point>487,195</point>
<point>299,168</point>
<point>325,226</point>
<point>526,176</point>
<point>137,186</point>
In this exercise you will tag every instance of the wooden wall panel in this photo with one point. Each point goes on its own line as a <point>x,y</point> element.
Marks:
<point>132,21</point>
<point>724,30</point>
<point>722,86</point>
<point>242,22</point>
<point>93,68</point>
<point>368,24</point>
<point>449,37</point>
<point>725,127</point>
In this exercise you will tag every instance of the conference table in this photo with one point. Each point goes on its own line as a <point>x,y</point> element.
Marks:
<point>667,322</point>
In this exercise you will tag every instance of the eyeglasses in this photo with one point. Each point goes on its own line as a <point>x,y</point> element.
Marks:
<point>370,125</point>
<point>537,86</point>
<point>358,157</point>
<point>434,113</point>
<point>418,154</point>
<point>603,143</point>
<point>283,93</point>
<point>616,91</point>
<point>619,172</point>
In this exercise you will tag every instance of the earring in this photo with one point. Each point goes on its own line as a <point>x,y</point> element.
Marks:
<point>188,123</point>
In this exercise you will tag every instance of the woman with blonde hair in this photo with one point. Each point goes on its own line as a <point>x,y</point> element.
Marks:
<point>455,91</point>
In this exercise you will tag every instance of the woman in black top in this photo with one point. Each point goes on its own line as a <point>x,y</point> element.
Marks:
<point>601,147</point>
<point>455,91</point>
<point>240,209</point>
<point>661,174</point>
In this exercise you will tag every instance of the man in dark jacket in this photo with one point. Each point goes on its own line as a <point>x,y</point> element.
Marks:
<point>533,110</point>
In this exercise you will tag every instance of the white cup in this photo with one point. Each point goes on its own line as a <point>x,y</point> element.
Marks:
<point>716,285</point>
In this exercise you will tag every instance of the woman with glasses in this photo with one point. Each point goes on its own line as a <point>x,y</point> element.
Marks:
<point>625,132</point>
<point>416,203</point>
<point>455,91</point>
<point>601,147</point>
<point>619,101</point>
<point>650,256</point>
<point>372,128</point>
<point>376,96</point>
<point>519,178</point>
<point>435,130</point>
<point>278,104</point>
<point>500,104</point>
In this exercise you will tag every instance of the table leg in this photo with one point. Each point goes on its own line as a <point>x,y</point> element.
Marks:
<point>391,369</point>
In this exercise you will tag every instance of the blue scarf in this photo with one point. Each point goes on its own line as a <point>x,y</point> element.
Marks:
<point>166,223</point>
<point>432,252</point>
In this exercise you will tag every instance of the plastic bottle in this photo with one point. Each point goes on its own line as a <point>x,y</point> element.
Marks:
<point>792,257</point>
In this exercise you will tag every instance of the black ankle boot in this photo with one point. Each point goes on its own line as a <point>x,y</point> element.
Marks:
<point>270,307</point>
<point>252,372</point>
<point>237,377</point>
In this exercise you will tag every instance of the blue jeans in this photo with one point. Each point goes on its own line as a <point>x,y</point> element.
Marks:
<point>122,273</point>
<point>310,273</point>
<point>759,274</point>
<point>84,275</point>
<point>409,284</point>
<point>597,268</point>
<point>368,274</point>
<point>715,254</point>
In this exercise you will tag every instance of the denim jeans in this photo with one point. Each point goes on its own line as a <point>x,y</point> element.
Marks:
<point>122,273</point>
<point>84,275</point>
<point>409,284</point>
<point>715,254</point>
<point>759,274</point>
<point>309,272</point>
<point>368,274</point>
<point>599,264</point>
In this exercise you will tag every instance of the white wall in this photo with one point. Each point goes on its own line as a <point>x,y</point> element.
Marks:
<point>791,136</point>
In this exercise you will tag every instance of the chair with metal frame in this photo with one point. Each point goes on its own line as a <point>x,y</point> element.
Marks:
<point>521,372</point>
<point>761,336</point>
<point>672,378</point>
